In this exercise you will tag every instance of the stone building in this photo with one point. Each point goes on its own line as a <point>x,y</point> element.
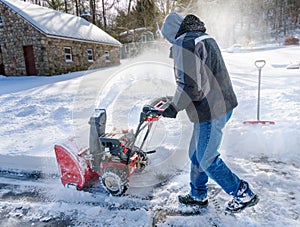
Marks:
<point>36,40</point>
<point>135,41</point>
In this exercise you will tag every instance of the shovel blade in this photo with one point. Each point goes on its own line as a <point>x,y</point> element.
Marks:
<point>259,122</point>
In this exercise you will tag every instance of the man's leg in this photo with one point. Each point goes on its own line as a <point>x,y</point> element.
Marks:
<point>215,168</point>
<point>210,138</point>
<point>198,180</point>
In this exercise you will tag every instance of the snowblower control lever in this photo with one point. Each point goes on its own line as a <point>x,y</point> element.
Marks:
<point>149,110</point>
<point>150,114</point>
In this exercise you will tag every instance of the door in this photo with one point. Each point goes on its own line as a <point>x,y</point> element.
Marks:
<point>2,69</point>
<point>29,60</point>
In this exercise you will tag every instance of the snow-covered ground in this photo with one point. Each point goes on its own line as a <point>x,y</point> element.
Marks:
<point>38,112</point>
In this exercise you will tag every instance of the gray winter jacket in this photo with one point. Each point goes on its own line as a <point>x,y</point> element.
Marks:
<point>204,88</point>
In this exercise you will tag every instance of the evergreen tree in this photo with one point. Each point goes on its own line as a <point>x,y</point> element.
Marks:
<point>58,5</point>
<point>145,14</point>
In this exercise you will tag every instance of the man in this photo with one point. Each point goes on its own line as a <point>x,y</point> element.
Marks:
<point>205,91</point>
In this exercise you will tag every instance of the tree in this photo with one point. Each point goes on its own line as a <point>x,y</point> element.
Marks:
<point>93,4</point>
<point>167,6</point>
<point>107,5</point>
<point>129,6</point>
<point>145,14</point>
<point>104,14</point>
<point>58,5</point>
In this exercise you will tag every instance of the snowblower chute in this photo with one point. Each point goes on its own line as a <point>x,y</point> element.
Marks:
<point>111,157</point>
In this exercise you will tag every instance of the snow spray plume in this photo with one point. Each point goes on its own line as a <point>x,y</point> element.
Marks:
<point>123,91</point>
<point>222,21</point>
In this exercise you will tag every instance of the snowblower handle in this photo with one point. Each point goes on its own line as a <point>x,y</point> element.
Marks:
<point>149,110</point>
<point>260,64</point>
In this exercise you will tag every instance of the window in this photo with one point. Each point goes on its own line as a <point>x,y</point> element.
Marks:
<point>68,54</point>
<point>1,21</point>
<point>107,56</point>
<point>90,55</point>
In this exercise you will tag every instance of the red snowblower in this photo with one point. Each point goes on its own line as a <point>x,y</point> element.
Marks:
<point>111,157</point>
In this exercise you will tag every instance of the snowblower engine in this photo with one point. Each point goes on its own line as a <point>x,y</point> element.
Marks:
<point>116,146</point>
<point>111,157</point>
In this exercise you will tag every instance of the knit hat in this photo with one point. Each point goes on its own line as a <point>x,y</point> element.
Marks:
<point>191,23</point>
<point>171,26</point>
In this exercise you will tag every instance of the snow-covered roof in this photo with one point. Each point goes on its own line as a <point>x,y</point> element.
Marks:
<point>54,23</point>
<point>131,31</point>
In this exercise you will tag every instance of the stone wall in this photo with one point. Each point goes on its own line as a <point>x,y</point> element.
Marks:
<point>14,34</point>
<point>56,55</point>
<point>48,51</point>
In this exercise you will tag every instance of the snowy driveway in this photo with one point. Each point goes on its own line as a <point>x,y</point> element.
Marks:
<point>37,112</point>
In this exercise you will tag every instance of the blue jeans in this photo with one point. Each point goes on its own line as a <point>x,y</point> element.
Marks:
<point>205,160</point>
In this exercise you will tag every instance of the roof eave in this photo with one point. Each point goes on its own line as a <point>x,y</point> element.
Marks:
<point>81,40</point>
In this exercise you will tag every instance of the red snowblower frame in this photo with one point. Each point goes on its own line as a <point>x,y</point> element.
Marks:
<point>111,157</point>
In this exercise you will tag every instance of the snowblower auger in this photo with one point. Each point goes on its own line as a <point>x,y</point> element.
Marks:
<point>111,157</point>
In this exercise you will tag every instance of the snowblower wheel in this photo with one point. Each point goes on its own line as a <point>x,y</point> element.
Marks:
<point>115,181</point>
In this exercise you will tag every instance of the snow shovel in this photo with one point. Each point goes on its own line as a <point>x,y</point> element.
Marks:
<point>259,65</point>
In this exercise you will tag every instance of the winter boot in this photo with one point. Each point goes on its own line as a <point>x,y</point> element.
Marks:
<point>190,201</point>
<point>244,198</point>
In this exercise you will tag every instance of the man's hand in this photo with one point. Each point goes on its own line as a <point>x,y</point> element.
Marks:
<point>170,111</point>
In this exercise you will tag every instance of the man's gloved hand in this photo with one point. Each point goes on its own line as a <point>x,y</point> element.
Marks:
<point>170,111</point>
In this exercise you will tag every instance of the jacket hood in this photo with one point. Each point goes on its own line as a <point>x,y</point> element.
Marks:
<point>171,26</point>
<point>190,23</point>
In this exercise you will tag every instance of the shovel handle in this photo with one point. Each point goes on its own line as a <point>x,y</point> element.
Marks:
<point>260,64</point>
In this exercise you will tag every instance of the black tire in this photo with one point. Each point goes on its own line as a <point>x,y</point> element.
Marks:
<point>115,181</point>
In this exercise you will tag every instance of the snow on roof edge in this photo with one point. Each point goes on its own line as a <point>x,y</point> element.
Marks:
<point>82,40</point>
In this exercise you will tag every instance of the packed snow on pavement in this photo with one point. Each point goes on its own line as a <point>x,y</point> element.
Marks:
<point>38,112</point>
